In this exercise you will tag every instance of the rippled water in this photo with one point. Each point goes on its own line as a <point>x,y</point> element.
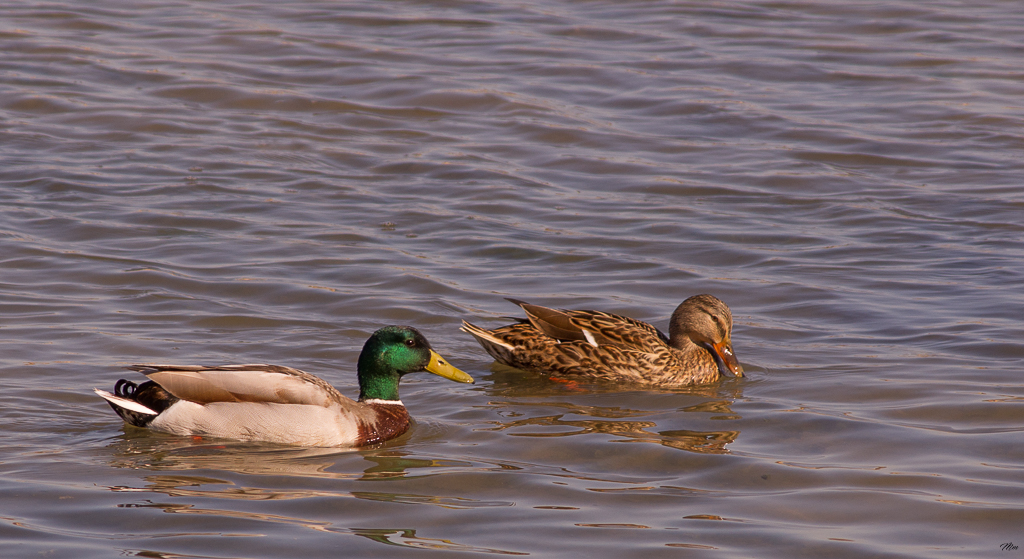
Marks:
<point>216,182</point>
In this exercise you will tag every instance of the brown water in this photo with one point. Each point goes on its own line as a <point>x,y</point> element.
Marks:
<point>216,182</point>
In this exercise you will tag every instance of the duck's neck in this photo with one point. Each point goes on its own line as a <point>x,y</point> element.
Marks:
<point>377,381</point>
<point>380,387</point>
<point>683,343</point>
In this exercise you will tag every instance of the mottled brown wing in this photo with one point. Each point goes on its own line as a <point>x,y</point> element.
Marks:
<point>526,347</point>
<point>620,331</point>
<point>553,322</point>
<point>594,327</point>
<point>610,361</point>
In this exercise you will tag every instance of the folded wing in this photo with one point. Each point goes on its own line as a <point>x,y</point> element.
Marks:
<point>599,329</point>
<point>242,383</point>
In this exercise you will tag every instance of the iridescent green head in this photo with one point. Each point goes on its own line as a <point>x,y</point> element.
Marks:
<point>395,351</point>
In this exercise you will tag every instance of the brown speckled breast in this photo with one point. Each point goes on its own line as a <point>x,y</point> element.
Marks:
<point>391,420</point>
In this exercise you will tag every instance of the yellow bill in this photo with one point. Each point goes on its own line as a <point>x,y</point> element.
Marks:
<point>440,367</point>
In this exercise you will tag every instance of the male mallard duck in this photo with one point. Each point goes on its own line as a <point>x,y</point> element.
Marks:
<point>603,346</point>
<point>280,404</point>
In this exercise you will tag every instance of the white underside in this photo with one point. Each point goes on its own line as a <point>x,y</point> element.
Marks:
<point>295,424</point>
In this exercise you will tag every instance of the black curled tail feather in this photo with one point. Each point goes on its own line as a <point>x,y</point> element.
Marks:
<point>125,389</point>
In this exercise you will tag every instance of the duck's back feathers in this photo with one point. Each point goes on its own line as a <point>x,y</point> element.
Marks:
<point>596,328</point>
<point>242,383</point>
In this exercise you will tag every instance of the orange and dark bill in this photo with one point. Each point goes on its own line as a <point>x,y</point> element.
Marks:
<point>726,359</point>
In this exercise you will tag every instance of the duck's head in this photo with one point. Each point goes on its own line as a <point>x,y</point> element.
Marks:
<point>707,322</point>
<point>395,351</point>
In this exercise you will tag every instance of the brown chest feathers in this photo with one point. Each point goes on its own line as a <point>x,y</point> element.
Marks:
<point>390,421</point>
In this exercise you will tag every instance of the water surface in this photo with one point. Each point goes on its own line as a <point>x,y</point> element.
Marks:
<point>198,182</point>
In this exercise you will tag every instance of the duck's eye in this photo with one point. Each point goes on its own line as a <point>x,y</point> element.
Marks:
<point>410,343</point>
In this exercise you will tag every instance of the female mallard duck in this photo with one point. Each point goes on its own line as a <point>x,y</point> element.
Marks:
<point>280,404</point>
<point>603,346</point>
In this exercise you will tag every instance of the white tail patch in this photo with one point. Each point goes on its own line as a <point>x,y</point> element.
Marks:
<point>124,402</point>
<point>589,336</point>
